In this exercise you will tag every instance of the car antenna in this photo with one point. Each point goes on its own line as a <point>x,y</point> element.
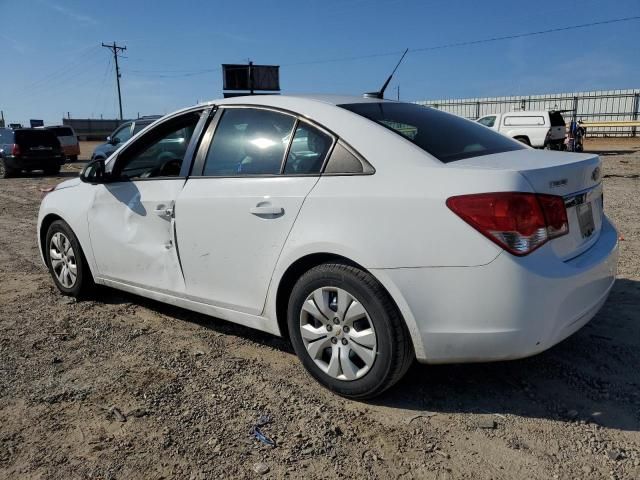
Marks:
<point>380,94</point>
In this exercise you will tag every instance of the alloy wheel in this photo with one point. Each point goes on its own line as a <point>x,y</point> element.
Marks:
<point>338,333</point>
<point>63,260</point>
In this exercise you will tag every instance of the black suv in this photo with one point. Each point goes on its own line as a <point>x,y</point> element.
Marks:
<point>120,135</point>
<point>26,149</point>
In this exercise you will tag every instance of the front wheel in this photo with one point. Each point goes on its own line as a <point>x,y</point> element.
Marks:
<point>66,260</point>
<point>347,331</point>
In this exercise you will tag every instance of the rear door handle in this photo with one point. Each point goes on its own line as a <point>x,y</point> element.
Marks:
<point>266,210</point>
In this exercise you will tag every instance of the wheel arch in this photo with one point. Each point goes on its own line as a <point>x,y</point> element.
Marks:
<point>523,138</point>
<point>46,222</point>
<point>309,261</point>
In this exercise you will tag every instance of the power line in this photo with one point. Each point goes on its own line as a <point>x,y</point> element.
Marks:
<point>468,42</point>
<point>115,49</point>
<point>180,73</point>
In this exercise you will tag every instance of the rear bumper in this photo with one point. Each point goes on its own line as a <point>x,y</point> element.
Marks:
<point>22,163</point>
<point>510,308</point>
<point>71,150</point>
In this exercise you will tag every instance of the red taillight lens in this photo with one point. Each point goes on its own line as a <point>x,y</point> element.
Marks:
<point>518,222</point>
<point>15,149</point>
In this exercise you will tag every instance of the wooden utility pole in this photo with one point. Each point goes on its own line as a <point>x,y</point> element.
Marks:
<point>115,49</point>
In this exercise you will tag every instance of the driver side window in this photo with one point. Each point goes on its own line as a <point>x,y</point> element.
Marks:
<point>121,135</point>
<point>159,152</point>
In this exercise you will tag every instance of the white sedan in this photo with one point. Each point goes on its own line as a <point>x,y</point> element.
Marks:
<point>369,232</point>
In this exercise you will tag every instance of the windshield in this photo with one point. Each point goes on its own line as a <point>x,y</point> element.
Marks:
<point>447,137</point>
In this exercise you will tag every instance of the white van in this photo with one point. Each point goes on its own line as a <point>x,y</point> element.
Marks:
<point>540,129</point>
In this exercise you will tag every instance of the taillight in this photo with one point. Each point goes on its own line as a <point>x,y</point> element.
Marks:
<point>15,149</point>
<point>518,222</point>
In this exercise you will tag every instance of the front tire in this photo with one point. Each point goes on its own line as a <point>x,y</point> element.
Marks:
<point>66,261</point>
<point>347,331</point>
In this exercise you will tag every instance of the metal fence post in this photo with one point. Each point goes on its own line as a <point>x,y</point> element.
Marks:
<point>575,109</point>
<point>636,104</point>
<point>477,110</point>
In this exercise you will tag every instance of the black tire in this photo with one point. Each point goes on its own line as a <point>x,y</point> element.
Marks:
<point>73,158</point>
<point>52,170</point>
<point>394,349</point>
<point>524,140</point>
<point>84,280</point>
<point>5,171</point>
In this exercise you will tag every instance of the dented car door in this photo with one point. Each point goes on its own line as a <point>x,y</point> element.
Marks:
<point>132,217</point>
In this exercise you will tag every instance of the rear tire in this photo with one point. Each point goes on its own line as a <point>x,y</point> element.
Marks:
<point>365,345</point>
<point>73,158</point>
<point>5,171</point>
<point>66,261</point>
<point>524,140</point>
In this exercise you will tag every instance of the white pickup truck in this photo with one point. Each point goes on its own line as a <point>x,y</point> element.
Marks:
<point>540,129</point>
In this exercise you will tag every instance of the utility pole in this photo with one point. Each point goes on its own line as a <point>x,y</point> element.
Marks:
<point>115,49</point>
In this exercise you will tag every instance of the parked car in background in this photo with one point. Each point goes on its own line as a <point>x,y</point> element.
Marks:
<point>27,149</point>
<point>539,129</point>
<point>121,135</point>
<point>369,232</point>
<point>68,140</point>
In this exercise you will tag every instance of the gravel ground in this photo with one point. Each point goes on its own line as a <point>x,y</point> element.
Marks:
<point>123,387</point>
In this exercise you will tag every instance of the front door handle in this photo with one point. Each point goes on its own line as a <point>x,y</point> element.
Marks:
<point>164,211</point>
<point>266,210</point>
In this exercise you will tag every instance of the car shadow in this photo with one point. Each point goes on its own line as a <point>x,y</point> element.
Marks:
<point>39,174</point>
<point>592,376</point>
<point>606,153</point>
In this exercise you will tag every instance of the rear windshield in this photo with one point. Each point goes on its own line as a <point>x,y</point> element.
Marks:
<point>445,136</point>
<point>556,119</point>
<point>44,138</point>
<point>61,131</point>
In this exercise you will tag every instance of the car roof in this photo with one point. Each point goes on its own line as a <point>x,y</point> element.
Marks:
<point>322,98</point>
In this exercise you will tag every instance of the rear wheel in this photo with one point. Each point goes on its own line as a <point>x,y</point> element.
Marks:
<point>73,158</point>
<point>66,260</point>
<point>347,331</point>
<point>5,171</point>
<point>524,140</point>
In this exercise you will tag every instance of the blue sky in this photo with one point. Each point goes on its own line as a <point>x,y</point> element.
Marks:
<point>52,62</point>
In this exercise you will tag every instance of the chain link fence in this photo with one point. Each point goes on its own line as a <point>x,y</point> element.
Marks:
<point>597,106</point>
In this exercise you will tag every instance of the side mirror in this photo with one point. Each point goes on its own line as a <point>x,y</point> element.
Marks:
<point>94,172</point>
<point>113,140</point>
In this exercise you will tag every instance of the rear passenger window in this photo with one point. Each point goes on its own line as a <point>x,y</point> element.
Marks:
<point>308,150</point>
<point>248,141</point>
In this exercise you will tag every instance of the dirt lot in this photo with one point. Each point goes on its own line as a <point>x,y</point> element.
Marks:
<point>122,387</point>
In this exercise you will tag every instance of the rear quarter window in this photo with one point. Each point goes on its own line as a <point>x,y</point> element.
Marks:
<point>445,136</point>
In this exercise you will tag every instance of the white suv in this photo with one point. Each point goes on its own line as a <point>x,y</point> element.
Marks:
<point>540,129</point>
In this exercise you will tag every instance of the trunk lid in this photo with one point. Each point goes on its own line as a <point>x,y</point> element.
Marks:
<point>575,177</point>
<point>37,143</point>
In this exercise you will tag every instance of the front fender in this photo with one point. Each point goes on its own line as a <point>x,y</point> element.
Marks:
<point>70,204</point>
